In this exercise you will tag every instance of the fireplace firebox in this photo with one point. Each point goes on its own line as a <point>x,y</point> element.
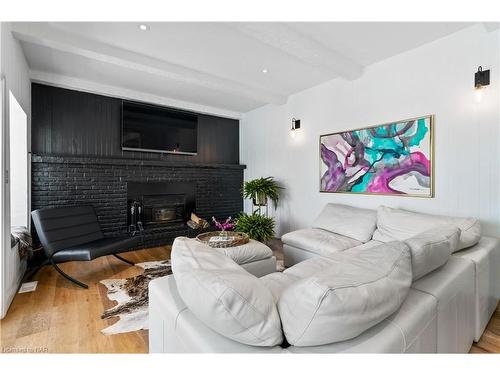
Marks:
<point>159,204</point>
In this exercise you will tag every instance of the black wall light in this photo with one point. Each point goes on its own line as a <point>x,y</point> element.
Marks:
<point>295,124</point>
<point>481,78</point>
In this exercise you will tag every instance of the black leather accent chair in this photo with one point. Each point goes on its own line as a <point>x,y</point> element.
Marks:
<point>73,234</point>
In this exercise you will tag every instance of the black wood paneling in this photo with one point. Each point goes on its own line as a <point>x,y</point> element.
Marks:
<point>68,122</point>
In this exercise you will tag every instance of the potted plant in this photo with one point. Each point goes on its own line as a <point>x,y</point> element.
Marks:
<point>258,227</point>
<point>262,189</point>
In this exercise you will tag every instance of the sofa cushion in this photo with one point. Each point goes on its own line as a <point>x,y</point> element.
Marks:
<point>309,267</point>
<point>319,241</point>
<point>395,224</point>
<point>312,266</point>
<point>353,222</point>
<point>223,295</point>
<point>277,282</point>
<point>432,249</point>
<point>359,289</point>
<point>412,328</point>
<point>367,245</point>
<point>249,252</point>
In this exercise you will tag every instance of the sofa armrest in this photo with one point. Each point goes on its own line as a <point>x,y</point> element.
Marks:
<point>173,328</point>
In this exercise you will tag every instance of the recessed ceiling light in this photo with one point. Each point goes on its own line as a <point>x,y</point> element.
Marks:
<point>265,71</point>
<point>143,27</point>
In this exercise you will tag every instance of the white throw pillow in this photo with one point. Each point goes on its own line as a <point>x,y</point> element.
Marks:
<point>396,224</point>
<point>354,222</point>
<point>359,289</point>
<point>224,296</point>
<point>432,249</point>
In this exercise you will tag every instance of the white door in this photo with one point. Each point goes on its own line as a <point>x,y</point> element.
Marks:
<point>14,193</point>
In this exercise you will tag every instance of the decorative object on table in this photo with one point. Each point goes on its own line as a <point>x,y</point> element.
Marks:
<point>258,227</point>
<point>213,239</point>
<point>260,190</point>
<point>390,159</point>
<point>131,294</point>
<point>196,222</point>
<point>225,226</point>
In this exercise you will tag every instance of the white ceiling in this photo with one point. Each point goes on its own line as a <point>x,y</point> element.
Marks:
<point>215,67</point>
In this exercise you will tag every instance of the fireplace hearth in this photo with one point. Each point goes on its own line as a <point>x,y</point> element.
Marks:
<point>159,204</point>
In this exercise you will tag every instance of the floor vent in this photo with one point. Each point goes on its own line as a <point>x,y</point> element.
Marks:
<point>28,287</point>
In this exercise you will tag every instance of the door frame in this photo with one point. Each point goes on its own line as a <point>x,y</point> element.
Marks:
<point>4,219</point>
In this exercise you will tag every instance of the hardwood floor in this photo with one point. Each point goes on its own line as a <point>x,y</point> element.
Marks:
<point>490,340</point>
<point>60,317</point>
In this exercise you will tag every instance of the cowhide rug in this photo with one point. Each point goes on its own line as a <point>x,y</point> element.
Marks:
<point>132,297</point>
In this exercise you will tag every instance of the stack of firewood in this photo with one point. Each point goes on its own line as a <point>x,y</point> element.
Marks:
<point>197,222</point>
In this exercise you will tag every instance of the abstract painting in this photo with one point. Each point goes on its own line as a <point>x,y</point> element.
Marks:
<point>389,159</point>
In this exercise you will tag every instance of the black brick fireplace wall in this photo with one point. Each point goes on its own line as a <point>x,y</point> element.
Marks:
<point>102,183</point>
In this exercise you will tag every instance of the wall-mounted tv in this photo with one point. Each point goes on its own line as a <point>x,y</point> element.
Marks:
<point>152,128</point>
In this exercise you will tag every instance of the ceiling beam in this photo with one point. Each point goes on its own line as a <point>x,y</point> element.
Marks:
<point>47,36</point>
<point>127,94</point>
<point>300,46</point>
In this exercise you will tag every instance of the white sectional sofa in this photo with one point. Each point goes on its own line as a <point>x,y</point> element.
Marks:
<point>392,271</point>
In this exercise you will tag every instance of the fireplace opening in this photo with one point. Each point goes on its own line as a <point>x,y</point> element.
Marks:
<point>163,208</point>
<point>161,215</point>
<point>159,204</point>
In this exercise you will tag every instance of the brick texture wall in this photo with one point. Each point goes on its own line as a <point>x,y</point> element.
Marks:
<point>102,183</point>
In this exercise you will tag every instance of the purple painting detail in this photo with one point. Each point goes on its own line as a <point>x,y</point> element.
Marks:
<point>415,162</point>
<point>334,176</point>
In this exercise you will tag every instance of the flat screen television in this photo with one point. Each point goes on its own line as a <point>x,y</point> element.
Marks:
<point>152,128</point>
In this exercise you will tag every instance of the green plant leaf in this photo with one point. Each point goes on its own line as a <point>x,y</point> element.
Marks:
<point>258,227</point>
<point>266,186</point>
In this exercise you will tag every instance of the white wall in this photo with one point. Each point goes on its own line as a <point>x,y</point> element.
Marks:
<point>436,78</point>
<point>19,164</point>
<point>14,69</point>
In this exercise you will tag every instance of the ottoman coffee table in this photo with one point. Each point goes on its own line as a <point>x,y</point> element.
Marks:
<point>254,256</point>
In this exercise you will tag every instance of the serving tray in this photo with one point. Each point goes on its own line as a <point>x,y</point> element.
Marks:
<point>231,239</point>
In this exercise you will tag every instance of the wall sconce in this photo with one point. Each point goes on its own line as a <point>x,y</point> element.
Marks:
<point>295,124</point>
<point>481,79</point>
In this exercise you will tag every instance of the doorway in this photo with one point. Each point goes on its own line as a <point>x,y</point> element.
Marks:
<point>14,202</point>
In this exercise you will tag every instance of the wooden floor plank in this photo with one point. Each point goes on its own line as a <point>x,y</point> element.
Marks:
<point>60,317</point>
